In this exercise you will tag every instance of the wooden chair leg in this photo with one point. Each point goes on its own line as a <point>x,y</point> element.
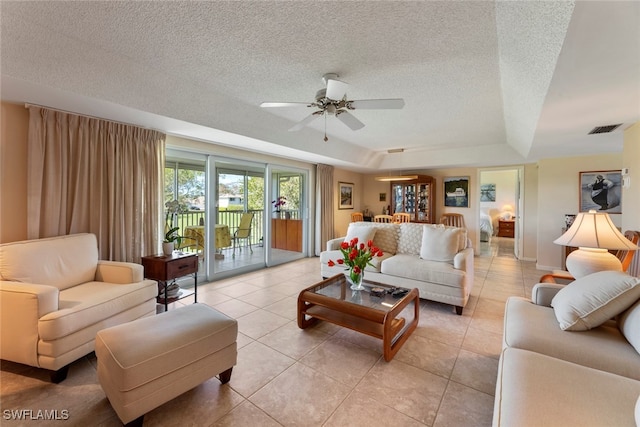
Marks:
<point>225,376</point>
<point>136,423</point>
<point>59,375</point>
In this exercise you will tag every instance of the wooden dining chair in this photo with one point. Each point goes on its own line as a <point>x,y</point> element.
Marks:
<point>453,219</point>
<point>399,217</point>
<point>357,216</point>
<point>382,218</point>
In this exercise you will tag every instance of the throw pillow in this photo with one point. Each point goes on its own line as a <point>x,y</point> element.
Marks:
<point>410,238</point>
<point>364,234</point>
<point>638,412</point>
<point>591,300</point>
<point>629,325</point>
<point>386,236</point>
<point>441,243</point>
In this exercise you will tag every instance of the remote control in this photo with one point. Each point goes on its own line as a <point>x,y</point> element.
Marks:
<point>399,293</point>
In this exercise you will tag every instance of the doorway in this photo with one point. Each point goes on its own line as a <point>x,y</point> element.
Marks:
<point>500,212</point>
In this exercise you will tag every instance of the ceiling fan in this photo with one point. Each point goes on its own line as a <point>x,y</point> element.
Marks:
<point>332,100</point>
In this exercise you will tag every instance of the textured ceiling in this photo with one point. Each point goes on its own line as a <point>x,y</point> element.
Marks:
<point>485,83</point>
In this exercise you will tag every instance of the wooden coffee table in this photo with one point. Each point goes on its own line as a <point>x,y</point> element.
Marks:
<point>333,301</point>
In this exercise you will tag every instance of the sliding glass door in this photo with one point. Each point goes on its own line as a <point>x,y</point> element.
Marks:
<point>236,215</point>
<point>185,203</point>
<point>289,215</point>
<point>239,217</point>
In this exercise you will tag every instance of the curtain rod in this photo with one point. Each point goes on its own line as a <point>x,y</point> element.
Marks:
<point>27,105</point>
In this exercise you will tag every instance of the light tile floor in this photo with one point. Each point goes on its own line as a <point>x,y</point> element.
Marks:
<point>324,376</point>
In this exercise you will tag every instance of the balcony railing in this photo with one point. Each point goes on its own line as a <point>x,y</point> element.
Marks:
<point>232,218</point>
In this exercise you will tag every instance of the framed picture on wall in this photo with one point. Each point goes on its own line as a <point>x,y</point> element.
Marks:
<point>488,193</point>
<point>456,191</point>
<point>345,189</point>
<point>601,191</point>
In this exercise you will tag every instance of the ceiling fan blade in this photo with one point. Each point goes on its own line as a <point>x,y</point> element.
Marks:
<point>349,120</point>
<point>283,104</point>
<point>336,89</point>
<point>376,104</point>
<point>311,117</point>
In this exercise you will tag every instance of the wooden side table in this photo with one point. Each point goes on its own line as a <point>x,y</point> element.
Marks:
<point>506,228</point>
<point>167,268</point>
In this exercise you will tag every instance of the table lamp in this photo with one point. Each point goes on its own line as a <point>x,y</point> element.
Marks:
<point>507,213</point>
<point>593,233</point>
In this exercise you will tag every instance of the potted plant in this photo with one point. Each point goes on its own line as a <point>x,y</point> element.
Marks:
<point>279,202</point>
<point>171,238</point>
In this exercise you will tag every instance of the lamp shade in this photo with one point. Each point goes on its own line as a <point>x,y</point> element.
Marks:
<point>593,233</point>
<point>594,230</point>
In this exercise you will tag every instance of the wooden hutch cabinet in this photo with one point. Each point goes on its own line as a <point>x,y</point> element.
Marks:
<point>415,196</point>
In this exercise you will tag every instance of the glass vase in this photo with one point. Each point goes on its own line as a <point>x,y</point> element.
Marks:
<point>356,279</point>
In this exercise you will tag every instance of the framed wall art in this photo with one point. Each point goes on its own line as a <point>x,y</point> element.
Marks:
<point>345,189</point>
<point>601,191</point>
<point>488,193</point>
<point>456,191</point>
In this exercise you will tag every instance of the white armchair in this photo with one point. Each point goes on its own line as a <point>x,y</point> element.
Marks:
<point>55,295</point>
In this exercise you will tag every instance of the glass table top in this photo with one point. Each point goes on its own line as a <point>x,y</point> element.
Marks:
<point>339,288</point>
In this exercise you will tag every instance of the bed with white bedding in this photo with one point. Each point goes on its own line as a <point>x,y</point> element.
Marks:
<point>486,227</point>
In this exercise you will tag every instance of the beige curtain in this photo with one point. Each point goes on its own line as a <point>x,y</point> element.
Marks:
<point>324,207</point>
<point>95,176</point>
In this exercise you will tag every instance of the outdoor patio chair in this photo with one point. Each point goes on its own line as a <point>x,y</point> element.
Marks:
<point>243,232</point>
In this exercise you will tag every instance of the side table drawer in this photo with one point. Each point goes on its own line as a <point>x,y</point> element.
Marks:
<point>182,267</point>
<point>506,228</point>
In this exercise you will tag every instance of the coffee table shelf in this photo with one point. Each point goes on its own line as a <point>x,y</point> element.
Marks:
<point>333,301</point>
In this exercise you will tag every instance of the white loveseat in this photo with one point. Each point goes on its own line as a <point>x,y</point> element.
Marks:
<point>55,295</point>
<point>437,260</point>
<point>585,375</point>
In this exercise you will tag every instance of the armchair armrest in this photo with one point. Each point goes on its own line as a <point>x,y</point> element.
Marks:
<point>119,272</point>
<point>543,293</point>
<point>21,306</point>
<point>557,274</point>
<point>463,260</point>
<point>334,244</point>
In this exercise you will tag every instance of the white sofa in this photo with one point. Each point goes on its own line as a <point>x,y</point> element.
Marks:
<point>586,375</point>
<point>438,261</point>
<point>55,295</point>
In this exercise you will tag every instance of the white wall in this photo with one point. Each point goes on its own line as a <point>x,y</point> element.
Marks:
<point>530,212</point>
<point>631,195</point>
<point>558,194</point>
<point>342,217</point>
<point>506,182</point>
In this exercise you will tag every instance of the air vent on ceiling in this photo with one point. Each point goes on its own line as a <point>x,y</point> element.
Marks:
<point>604,129</point>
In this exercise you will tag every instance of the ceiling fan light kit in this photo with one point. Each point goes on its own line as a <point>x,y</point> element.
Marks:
<point>332,100</point>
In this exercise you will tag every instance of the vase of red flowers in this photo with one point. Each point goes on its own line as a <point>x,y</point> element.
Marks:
<point>356,256</point>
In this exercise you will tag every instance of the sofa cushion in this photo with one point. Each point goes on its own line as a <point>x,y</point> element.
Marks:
<point>638,412</point>
<point>593,299</point>
<point>629,324</point>
<point>62,261</point>
<point>410,238</point>
<point>534,327</point>
<point>442,243</point>
<point>412,267</point>
<point>537,390</point>
<point>92,302</point>
<point>386,237</point>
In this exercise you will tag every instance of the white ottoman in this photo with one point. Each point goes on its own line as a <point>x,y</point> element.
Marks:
<point>147,362</point>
